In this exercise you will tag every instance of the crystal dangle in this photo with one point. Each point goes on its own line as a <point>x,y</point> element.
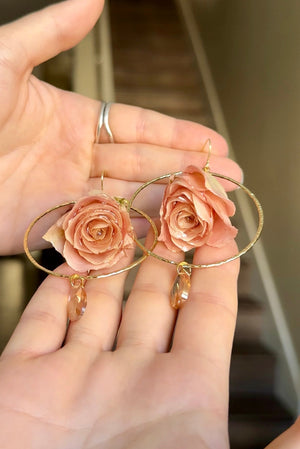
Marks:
<point>77,301</point>
<point>181,286</point>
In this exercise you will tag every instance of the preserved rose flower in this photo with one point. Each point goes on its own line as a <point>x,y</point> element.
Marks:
<point>94,234</point>
<point>195,211</point>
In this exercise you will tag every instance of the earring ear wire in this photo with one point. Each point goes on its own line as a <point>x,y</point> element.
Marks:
<point>207,166</point>
<point>102,181</point>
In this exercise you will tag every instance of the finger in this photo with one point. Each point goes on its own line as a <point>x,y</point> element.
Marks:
<point>148,318</point>
<point>42,327</point>
<point>150,199</point>
<point>205,325</point>
<point>142,162</point>
<point>97,328</point>
<point>39,36</point>
<point>131,124</point>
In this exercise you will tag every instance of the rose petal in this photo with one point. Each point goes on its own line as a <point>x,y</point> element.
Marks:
<point>223,207</point>
<point>94,234</point>
<point>212,184</point>
<point>221,234</point>
<point>195,209</point>
<point>111,258</point>
<point>74,260</point>
<point>203,210</point>
<point>56,236</point>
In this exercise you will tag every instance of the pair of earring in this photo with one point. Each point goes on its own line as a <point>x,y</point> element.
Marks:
<point>96,232</point>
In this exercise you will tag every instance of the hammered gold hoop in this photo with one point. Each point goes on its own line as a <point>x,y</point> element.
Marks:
<point>90,276</point>
<point>221,262</point>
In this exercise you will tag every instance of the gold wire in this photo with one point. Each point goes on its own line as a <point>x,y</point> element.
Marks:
<point>89,276</point>
<point>221,262</point>
<point>102,181</point>
<point>207,166</point>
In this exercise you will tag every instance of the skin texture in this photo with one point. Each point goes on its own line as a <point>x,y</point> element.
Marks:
<point>71,390</point>
<point>83,395</point>
<point>47,150</point>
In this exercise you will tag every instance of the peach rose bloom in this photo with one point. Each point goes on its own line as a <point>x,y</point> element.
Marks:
<point>94,234</point>
<point>195,211</point>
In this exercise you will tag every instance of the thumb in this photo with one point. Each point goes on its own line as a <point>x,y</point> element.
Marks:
<point>39,36</point>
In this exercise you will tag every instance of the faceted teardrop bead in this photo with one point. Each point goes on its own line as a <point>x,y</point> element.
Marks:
<point>180,290</point>
<point>77,302</point>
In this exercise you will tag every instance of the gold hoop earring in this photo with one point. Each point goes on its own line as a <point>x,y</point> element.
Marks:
<point>78,299</point>
<point>181,286</point>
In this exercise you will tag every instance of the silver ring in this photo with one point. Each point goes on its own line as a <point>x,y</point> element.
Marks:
<point>103,121</point>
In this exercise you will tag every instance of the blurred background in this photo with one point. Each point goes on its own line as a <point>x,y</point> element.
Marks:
<point>233,66</point>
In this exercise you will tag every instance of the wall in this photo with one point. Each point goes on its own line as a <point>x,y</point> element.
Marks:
<point>253,49</point>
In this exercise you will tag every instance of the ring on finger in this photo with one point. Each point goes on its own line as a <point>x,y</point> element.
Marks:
<point>103,121</point>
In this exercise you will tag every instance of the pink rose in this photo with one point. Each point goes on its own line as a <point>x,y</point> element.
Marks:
<point>195,211</point>
<point>94,234</point>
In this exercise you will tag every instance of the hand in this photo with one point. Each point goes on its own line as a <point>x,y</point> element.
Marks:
<point>83,395</point>
<point>47,135</point>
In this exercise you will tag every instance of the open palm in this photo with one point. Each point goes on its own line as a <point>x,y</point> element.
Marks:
<point>85,395</point>
<point>47,149</point>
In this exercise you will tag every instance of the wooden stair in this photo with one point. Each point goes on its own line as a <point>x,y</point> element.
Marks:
<point>154,67</point>
<point>255,420</point>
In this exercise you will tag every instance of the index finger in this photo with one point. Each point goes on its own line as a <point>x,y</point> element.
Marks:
<point>131,124</point>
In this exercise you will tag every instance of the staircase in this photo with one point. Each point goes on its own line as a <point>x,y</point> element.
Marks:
<point>154,67</point>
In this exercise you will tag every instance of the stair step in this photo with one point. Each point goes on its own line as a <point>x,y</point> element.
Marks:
<point>131,62</point>
<point>249,320</point>
<point>154,66</point>
<point>255,420</point>
<point>140,77</point>
<point>176,101</point>
<point>252,369</point>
